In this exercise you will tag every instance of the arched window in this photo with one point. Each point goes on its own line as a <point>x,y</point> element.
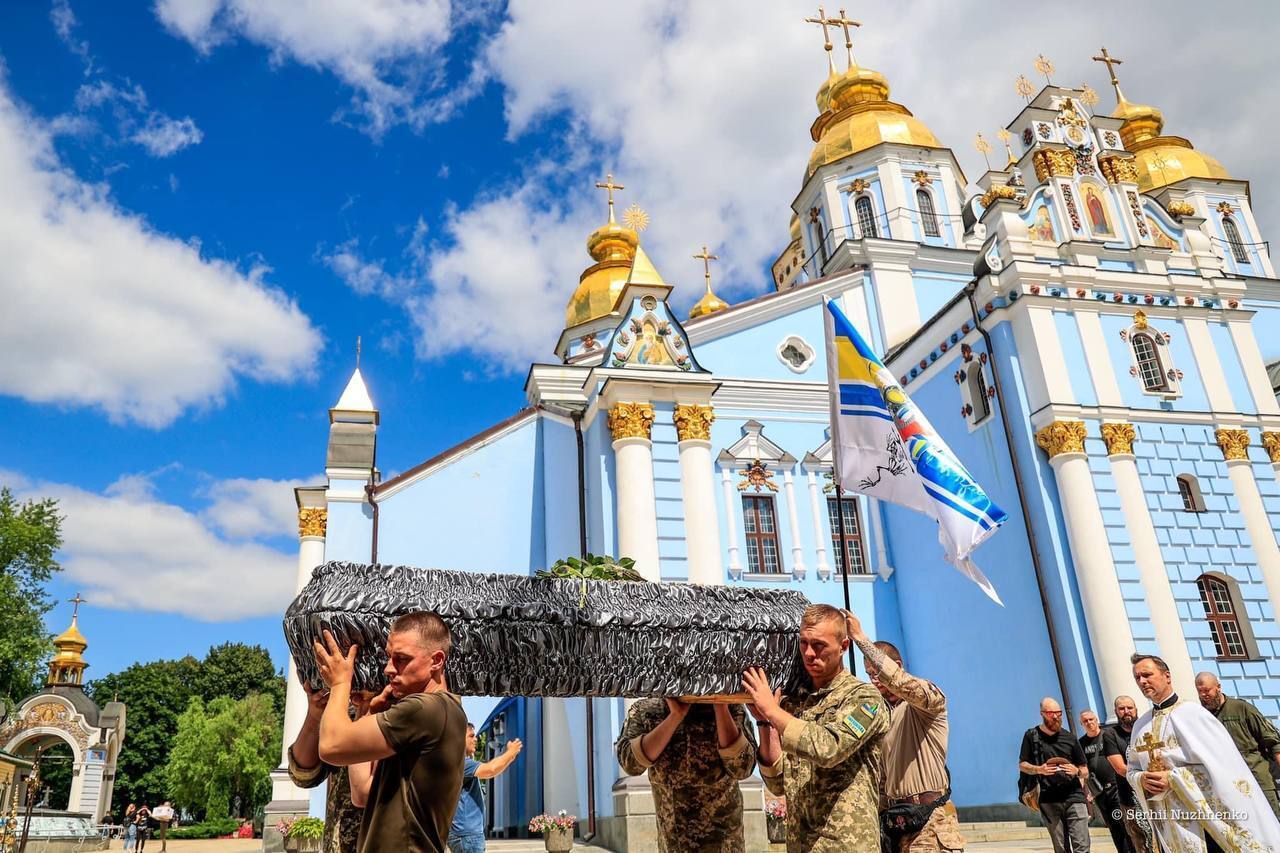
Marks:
<point>1150,368</point>
<point>1233,239</point>
<point>978,398</point>
<point>866,217</point>
<point>1231,636</point>
<point>928,216</point>
<point>1189,490</point>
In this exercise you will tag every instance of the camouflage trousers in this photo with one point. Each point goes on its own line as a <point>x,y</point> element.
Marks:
<point>940,835</point>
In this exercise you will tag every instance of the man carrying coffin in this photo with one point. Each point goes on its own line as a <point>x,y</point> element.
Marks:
<point>695,755</point>
<point>1189,777</point>
<point>822,747</point>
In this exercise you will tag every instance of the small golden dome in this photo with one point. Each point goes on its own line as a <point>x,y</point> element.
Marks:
<point>613,247</point>
<point>71,638</point>
<point>708,304</point>
<point>1161,160</point>
<point>857,114</point>
<point>67,665</point>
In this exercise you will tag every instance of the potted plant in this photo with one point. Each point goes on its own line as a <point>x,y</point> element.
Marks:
<point>557,829</point>
<point>302,834</point>
<point>775,816</point>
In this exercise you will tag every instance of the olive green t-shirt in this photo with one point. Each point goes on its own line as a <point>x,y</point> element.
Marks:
<point>415,792</point>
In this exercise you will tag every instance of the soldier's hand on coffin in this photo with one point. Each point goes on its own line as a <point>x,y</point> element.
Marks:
<point>677,709</point>
<point>335,667</point>
<point>316,700</point>
<point>514,746</point>
<point>763,700</point>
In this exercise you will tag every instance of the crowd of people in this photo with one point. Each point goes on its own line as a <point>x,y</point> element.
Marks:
<point>862,764</point>
<point>1214,756</point>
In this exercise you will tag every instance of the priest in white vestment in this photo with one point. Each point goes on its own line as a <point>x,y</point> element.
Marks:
<point>1189,776</point>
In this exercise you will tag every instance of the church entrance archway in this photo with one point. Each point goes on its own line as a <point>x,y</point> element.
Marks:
<point>59,766</point>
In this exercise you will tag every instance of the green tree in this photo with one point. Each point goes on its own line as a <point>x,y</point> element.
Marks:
<point>223,755</point>
<point>236,669</point>
<point>30,535</point>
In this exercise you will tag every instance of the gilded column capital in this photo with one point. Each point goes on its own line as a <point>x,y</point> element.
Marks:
<point>1052,162</point>
<point>1118,169</point>
<point>313,521</point>
<point>1234,443</point>
<point>693,423</point>
<point>1271,441</point>
<point>1061,437</point>
<point>630,420</point>
<point>1119,438</point>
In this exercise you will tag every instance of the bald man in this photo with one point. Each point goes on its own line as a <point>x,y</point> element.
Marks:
<point>1053,754</point>
<point>1253,733</point>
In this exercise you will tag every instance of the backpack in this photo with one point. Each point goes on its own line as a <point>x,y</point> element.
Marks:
<point>1028,784</point>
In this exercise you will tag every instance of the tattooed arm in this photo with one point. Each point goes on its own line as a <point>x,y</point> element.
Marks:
<point>920,694</point>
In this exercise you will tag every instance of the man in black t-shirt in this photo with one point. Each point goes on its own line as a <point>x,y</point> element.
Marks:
<point>1055,756</point>
<point>1141,838</point>
<point>1097,742</point>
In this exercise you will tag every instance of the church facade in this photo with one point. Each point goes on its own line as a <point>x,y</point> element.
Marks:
<point>1090,333</point>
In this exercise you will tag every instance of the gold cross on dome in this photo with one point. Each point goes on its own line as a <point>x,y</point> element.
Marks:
<point>980,142</point>
<point>77,601</point>
<point>1111,62</point>
<point>823,21</point>
<point>609,186</point>
<point>706,257</point>
<point>1045,67</point>
<point>844,23</point>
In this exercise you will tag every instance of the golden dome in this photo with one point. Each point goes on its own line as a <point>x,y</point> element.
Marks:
<point>1161,160</point>
<point>613,247</point>
<point>708,304</point>
<point>68,664</point>
<point>857,114</point>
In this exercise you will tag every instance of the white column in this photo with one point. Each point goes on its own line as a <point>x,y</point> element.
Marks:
<point>701,527</point>
<point>1170,640</point>
<point>630,424</point>
<point>730,522</point>
<point>1235,449</point>
<point>819,535</point>
<point>1104,612</point>
<point>797,547</point>
<point>312,523</point>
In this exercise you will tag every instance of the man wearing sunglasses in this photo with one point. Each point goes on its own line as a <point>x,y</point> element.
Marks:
<point>1055,757</point>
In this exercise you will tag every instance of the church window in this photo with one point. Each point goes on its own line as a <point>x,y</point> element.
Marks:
<point>1230,636</point>
<point>979,399</point>
<point>852,553</point>
<point>796,354</point>
<point>928,216</point>
<point>759,520</point>
<point>1150,369</point>
<point>866,216</point>
<point>1234,240</point>
<point>1189,490</point>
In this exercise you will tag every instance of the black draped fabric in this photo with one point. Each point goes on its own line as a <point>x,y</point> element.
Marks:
<point>516,635</point>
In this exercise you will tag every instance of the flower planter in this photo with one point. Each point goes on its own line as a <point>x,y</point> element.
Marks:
<point>776,829</point>
<point>302,845</point>
<point>558,840</point>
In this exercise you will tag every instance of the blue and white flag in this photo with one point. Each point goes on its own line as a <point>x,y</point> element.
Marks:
<point>885,447</point>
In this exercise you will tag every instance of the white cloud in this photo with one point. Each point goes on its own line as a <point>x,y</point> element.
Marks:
<point>705,117</point>
<point>133,119</point>
<point>254,508</point>
<point>127,549</point>
<point>163,136</point>
<point>387,51</point>
<point>102,310</point>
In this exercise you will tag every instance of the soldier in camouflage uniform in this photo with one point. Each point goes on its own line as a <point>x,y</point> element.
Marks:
<point>821,747</point>
<point>342,818</point>
<point>695,755</point>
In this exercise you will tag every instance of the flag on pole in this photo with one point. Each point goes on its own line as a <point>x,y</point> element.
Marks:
<point>884,447</point>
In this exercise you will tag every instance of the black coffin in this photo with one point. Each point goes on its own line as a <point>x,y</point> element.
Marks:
<point>516,635</point>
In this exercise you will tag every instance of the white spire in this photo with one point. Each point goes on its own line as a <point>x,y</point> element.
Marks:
<point>355,400</point>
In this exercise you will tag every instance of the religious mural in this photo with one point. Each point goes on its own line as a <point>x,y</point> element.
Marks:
<point>649,336</point>
<point>1096,209</point>
<point>1041,226</point>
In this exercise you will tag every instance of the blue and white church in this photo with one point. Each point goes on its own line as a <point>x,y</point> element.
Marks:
<point>1089,330</point>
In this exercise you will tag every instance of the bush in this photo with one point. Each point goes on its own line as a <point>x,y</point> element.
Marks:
<point>306,827</point>
<point>207,829</point>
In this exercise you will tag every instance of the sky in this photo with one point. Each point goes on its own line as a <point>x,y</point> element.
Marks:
<point>204,203</point>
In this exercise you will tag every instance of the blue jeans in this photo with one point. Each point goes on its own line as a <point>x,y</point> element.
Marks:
<point>466,844</point>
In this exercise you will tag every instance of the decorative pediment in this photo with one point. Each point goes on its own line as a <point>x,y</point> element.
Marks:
<point>651,338</point>
<point>755,447</point>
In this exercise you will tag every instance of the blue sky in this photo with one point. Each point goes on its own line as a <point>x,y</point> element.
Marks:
<point>205,202</point>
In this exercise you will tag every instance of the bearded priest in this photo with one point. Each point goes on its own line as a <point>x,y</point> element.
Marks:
<point>1189,776</point>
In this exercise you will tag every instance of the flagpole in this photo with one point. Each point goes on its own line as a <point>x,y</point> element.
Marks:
<point>844,551</point>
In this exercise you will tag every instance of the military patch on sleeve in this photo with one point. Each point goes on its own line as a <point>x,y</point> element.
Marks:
<point>869,709</point>
<point>851,723</point>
